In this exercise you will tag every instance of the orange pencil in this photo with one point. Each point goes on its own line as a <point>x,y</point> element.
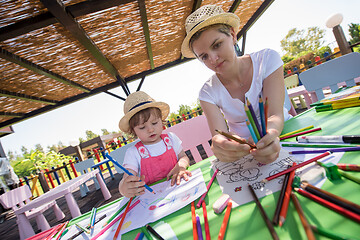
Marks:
<point>206,222</point>
<point>193,216</point>
<point>286,200</point>
<point>225,221</point>
<point>122,220</point>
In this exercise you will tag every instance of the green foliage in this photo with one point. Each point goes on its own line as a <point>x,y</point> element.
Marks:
<point>184,109</point>
<point>105,132</point>
<point>90,135</point>
<point>36,160</point>
<point>354,31</point>
<point>300,42</point>
<point>322,50</point>
<point>287,58</point>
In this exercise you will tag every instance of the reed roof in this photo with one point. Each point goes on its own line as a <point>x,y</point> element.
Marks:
<point>55,52</point>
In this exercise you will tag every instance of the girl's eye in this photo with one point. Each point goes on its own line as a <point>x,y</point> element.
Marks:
<point>154,123</point>
<point>142,127</point>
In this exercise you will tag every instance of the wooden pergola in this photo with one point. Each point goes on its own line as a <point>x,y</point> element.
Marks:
<point>55,52</point>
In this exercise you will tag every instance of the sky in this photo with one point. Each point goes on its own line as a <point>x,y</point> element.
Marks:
<point>177,85</point>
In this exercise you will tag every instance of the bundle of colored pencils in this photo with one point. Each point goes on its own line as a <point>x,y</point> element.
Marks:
<point>338,104</point>
<point>257,130</point>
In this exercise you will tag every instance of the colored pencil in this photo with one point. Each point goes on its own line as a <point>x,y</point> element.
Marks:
<point>253,115</point>
<point>115,214</point>
<point>266,111</point>
<point>122,220</point>
<point>327,233</point>
<point>234,138</point>
<point>305,145</point>
<point>54,231</point>
<point>304,221</point>
<point>81,231</point>
<point>64,233</point>
<point>349,176</point>
<point>126,171</point>
<point>225,221</point>
<point>262,115</point>
<point>349,167</point>
<point>208,187</point>
<point>193,217</point>
<point>301,133</point>
<point>296,131</point>
<point>62,229</point>
<point>206,222</point>
<point>344,149</point>
<point>251,130</point>
<point>251,120</point>
<point>138,235</point>
<point>92,223</point>
<point>275,220</point>
<point>342,202</point>
<point>323,108</point>
<point>198,227</point>
<point>113,222</point>
<point>156,234</point>
<point>296,167</point>
<point>329,205</point>
<point>286,201</point>
<point>146,233</point>
<point>82,228</point>
<point>263,214</point>
<point>329,139</point>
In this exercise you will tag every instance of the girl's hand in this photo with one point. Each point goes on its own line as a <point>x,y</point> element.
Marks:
<point>268,147</point>
<point>227,150</point>
<point>177,173</point>
<point>131,186</point>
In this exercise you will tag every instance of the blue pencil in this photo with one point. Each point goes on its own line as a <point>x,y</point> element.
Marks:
<point>93,218</point>
<point>262,115</point>
<point>254,118</point>
<point>125,170</point>
<point>251,131</point>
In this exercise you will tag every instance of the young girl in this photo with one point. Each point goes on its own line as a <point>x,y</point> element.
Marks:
<point>156,155</point>
<point>211,38</point>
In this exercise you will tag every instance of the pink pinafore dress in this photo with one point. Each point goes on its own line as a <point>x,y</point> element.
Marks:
<point>158,167</point>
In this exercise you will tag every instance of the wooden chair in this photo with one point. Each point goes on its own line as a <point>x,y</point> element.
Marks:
<point>119,154</point>
<point>294,90</point>
<point>85,167</point>
<point>192,133</point>
<point>18,197</point>
<point>337,72</point>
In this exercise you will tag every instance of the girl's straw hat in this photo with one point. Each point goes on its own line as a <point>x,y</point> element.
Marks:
<point>136,102</point>
<point>205,16</point>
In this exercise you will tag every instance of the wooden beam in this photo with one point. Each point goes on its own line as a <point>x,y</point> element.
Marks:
<point>38,69</point>
<point>57,8</point>
<point>45,19</point>
<point>12,115</point>
<point>234,6</point>
<point>145,25</point>
<point>9,94</point>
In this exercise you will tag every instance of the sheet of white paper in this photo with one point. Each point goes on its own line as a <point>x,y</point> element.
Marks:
<point>152,207</point>
<point>234,177</point>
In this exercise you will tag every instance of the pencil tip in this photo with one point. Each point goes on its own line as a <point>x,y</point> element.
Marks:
<point>264,181</point>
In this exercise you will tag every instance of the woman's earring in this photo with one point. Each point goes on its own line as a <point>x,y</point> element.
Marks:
<point>237,50</point>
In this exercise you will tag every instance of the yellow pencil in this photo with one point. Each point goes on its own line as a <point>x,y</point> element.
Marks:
<point>296,131</point>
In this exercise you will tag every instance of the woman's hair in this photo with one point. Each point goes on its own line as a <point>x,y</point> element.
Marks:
<point>142,116</point>
<point>223,28</point>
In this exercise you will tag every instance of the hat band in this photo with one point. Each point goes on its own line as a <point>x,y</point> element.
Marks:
<point>140,104</point>
<point>196,25</point>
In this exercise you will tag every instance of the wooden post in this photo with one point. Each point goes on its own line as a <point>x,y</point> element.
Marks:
<point>73,168</point>
<point>43,183</point>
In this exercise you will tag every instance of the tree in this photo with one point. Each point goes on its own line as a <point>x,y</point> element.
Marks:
<point>184,109</point>
<point>90,135</point>
<point>24,150</point>
<point>299,42</point>
<point>354,30</point>
<point>105,132</point>
<point>38,147</point>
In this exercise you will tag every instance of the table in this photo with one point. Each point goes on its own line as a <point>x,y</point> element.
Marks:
<point>64,189</point>
<point>245,221</point>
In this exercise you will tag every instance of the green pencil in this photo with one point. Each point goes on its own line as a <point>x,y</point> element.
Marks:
<point>146,233</point>
<point>251,120</point>
<point>328,233</point>
<point>317,145</point>
<point>82,228</point>
<point>115,214</point>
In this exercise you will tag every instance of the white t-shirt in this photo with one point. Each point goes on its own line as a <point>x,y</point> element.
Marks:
<point>132,159</point>
<point>213,91</point>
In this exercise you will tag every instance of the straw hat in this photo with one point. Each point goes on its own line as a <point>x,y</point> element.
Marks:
<point>205,16</point>
<point>136,102</point>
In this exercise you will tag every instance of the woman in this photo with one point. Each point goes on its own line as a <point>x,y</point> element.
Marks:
<point>211,37</point>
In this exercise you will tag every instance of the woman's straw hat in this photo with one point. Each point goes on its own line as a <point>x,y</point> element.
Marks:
<point>205,16</point>
<point>136,102</point>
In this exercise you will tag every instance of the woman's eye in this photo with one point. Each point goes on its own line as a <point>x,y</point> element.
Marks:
<point>204,57</point>
<point>217,45</point>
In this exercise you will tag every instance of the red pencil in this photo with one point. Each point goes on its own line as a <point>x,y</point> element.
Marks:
<point>225,221</point>
<point>193,216</point>
<point>285,203</point>
<point>349,167</point>
<point>327,204</point>
<point>296,167</point>
<point>208,187</point>
<point>206,222</point>
<point>122,220</point>
<point>301,133</point>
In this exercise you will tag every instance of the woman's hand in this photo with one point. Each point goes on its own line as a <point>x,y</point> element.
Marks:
<point>131,186</point>
<point>227,150</point>
<point>268,148</point>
